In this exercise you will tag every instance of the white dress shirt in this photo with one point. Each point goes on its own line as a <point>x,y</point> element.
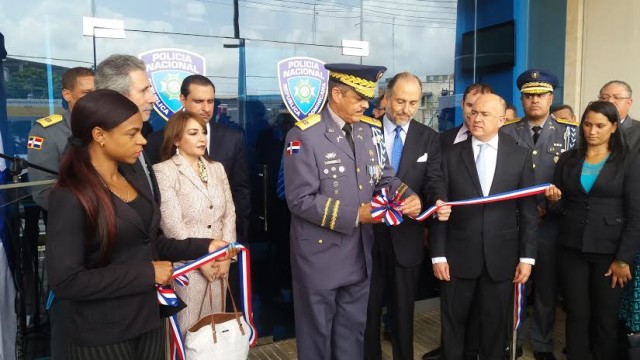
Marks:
<point>390,135</point>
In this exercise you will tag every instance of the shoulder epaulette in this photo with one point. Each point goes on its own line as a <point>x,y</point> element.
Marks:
<point>512,121</point>
<point>568,121</point>
<point>50,120</point>
<point>308,122</point>
<point>370,121</point>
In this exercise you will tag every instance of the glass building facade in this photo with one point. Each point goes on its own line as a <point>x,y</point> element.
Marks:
<point>241,42</point>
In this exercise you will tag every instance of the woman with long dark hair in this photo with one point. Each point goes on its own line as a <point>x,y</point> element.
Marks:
<point>597,194</point>
<point>104,254</point>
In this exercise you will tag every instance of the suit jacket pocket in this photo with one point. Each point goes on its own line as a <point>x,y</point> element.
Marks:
<point>612,228</point>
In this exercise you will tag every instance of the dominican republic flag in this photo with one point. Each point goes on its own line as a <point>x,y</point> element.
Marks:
<point>293,147</point>
<point>35,142</point>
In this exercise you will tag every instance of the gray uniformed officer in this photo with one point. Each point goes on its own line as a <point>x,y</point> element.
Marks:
<point>546,137</point>
<point>333,164</point>
<point>48,137</point>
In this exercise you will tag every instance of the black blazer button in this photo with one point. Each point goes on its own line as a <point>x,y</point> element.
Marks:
<point>618,220</point>
<point>210,206</point>
<point>147,242</point>
<point>208,226</point>
<point>585,221</point>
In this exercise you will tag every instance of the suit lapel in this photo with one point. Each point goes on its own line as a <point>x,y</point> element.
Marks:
<point>502,167</point>
<point>139,181</point>
<point>335,135</point>
<point>185,169</point>
<point>466,153</point>
<point>410,149</point>
<point>524,134</point>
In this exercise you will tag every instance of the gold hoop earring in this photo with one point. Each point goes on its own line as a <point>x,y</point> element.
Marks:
<point>101,144</point>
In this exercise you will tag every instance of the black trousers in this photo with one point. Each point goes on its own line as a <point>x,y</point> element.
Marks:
<point>489,299</point>
<point>591,304</point>
<point>399,285</point>
<point>148,346</point>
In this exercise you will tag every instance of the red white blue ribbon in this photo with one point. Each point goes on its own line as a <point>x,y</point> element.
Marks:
<point>382,207</point>
<point>177,344</point>
<point>518,305</point>
<point>509,195</point>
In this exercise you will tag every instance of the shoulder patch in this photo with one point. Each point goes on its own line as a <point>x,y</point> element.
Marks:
<point>370,121</point>
<point>50,120</point>
<point>568,121</point>
<point>512,121</point>
<point>308,122</point>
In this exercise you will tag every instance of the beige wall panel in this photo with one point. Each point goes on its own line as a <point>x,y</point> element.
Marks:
<point>610,48</point>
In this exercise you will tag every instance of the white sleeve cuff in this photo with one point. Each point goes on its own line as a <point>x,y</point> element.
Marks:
<point>529,261</point>
<point>436,260</point>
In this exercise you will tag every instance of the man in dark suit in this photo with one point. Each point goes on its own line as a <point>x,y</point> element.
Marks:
<point>398,253</point>
<point>225,145</point>
<point>483,249</point>
<point>460,133</point>
<point>447,139</point>
<point>619,93</point>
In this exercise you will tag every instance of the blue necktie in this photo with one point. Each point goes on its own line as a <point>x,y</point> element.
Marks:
<point>280,186</point>
<point>396,151</point>
<point>481,166</point>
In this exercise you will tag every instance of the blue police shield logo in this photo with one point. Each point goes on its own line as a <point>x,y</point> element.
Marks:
<point>166,68</point>
<point>303,85</point>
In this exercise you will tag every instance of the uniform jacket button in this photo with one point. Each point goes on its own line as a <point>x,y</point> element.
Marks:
<point>208,226</point>
<point>320,241</point>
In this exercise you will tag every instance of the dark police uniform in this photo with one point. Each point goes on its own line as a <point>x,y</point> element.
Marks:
<point>46,143</point>
<point>326,182</point>
<point>556,137</point>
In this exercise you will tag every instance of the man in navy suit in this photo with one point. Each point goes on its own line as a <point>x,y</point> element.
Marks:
<point>398,252</point>
<point>483,249</point>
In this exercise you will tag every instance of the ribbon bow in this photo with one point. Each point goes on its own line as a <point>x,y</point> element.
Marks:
<point>389,210</point>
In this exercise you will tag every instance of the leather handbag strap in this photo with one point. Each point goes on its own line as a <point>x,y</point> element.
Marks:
<point>235,309</point>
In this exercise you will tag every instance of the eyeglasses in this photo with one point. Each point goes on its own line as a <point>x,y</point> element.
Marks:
<point>605,97</point>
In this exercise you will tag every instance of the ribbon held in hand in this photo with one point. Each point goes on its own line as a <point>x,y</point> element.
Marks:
<point>389,210</point>
<point>509,195</point>
<point>382,207</point>
<point>166,295</point>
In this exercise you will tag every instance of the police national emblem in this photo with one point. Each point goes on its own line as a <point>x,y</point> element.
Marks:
<point>303,83</point>
<point>166,69</point>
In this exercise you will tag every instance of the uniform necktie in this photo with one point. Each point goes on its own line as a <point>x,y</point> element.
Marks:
<point>481,166</point>
<point>396,151</point>
<point>347,130</point>
<point>536,133</point>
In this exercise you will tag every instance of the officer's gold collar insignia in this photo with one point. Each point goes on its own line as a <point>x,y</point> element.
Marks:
<point>50,120</point>
<point>370,121</point>
<point>568,121</point>
<point>308,122</point>
<point>512,121</point>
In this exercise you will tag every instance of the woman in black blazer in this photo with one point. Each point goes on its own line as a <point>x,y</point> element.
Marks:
<point>104,254</point>
<point>597,194</point>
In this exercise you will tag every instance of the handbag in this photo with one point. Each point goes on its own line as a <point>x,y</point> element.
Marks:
<point>633,346</point>
<point>218,335</point>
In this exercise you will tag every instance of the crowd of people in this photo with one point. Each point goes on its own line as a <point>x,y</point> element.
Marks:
<point>128,202</point>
